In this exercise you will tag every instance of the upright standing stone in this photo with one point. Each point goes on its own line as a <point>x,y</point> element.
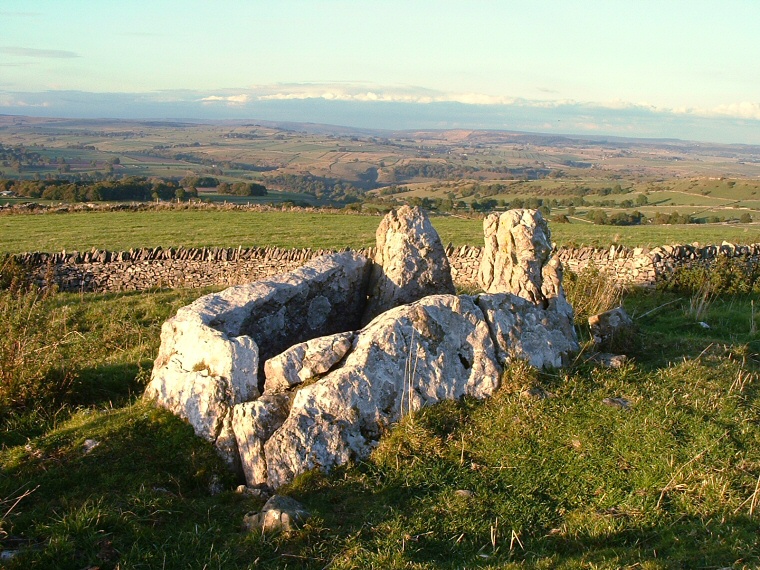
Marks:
<point>517,259</point>
<point>517,250</point>
<point>410,262</point>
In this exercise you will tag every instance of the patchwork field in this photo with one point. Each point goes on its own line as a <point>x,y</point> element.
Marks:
<point>318,164</point>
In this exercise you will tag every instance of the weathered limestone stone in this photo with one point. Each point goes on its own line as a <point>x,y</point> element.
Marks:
<point>411,356</point>
<point>522,330</point>
<point>200,374</point>
<point>609,360</point>
<point>325,296</point>
<point>280,513</point>
<point>211,350</point>
<point>517,257</point>
<point>305,361</point>
<point>253,424</point>
<point>410,262</point>
<point>611,328</point>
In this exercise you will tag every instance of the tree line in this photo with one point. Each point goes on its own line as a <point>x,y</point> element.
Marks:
<point>317,186</point>
<point>132,188</point>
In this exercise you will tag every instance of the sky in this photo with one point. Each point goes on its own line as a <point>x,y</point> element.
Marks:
<point>664,69</point>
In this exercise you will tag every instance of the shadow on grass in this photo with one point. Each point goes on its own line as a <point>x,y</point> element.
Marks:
<point>356,528</point>
<point>107,386</point>
<point>119,486</point>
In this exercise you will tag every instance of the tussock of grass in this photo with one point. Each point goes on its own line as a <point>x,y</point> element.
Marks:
<point>591,292</point>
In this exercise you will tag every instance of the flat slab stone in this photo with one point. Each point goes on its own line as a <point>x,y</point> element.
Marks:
<point>305,361</point>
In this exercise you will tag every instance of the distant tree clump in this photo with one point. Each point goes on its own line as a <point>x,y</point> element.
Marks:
<point>320,187</point>
<point>674,218</point>
<point>601,218</point>
<point>242,189</point>
<point>199,182</point>
<point>129,188</point>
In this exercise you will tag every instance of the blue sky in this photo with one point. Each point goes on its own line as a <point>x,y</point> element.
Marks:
<point>668,68</point>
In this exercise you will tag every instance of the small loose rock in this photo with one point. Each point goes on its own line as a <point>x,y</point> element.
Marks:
<point>280,513</point>
<point>536,393</point>
<point>621,403</point>
<point>609,360</point>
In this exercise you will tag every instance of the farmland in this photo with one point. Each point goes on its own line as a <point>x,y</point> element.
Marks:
<point>460,171</point>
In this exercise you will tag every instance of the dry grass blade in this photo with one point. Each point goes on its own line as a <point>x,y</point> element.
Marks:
<point>16,501</point>
<point>671,485</point>
<point>700,302</point>
<point>752,499</point>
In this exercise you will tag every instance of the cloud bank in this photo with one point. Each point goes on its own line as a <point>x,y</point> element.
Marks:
<point>404,107</point>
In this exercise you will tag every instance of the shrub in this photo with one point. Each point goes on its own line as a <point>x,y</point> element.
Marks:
<point>725,275</point>
<point>13,275</point>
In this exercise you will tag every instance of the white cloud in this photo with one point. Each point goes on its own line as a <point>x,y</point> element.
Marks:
<point>413,94</point>
<point>240,99</point>
<point>743,110</point>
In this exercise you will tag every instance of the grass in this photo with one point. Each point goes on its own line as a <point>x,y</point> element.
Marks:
<point>63,351</point>
<point>194,228</point>
<point>562,482</point>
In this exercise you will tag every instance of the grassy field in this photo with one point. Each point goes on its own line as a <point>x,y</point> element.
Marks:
<point>563,482</point>
<point>124,230</point>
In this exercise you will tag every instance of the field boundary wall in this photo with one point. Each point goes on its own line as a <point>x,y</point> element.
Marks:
<point>151,268</point>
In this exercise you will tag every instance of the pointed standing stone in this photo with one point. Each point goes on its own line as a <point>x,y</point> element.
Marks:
<point>410,262</point>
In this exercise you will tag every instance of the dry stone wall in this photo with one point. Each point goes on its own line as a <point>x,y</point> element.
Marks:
<point>148,268</point>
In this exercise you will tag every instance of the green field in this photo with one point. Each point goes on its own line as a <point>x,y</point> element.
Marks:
<point>218,228</point>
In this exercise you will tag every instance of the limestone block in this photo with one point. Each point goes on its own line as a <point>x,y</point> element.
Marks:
<point>545,337</point>
<point>305,361</point>
<point>253,423</point>
<point>411,356</point>
<point>210,351</point>
<point>410,262</point>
